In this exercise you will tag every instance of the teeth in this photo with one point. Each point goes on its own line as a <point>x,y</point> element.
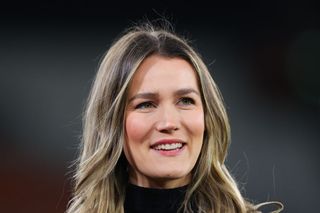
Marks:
<point>168,146</point>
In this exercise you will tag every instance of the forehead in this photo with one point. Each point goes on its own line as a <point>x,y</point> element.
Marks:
<point>162,73</point>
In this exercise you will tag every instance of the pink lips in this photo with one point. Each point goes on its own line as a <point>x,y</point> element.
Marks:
<point>173,152</point>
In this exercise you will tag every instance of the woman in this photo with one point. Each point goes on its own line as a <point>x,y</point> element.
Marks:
<point>156,132</point>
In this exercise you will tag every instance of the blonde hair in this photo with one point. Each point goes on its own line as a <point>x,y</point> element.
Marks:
<point>101,177</point>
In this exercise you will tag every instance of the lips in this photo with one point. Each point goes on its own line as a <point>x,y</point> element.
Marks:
<point>168,145</point>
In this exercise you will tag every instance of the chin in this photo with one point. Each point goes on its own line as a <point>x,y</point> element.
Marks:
<point>173,170</point>
<point>173,175</point>
<point>169,176</point>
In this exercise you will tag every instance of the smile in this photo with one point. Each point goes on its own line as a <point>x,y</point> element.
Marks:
<point>168,147</point>
<point>171,146</point>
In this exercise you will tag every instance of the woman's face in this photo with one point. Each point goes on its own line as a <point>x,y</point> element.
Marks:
<point>164,123</point>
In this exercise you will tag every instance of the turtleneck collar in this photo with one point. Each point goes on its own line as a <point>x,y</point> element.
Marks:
<point>152,200</point>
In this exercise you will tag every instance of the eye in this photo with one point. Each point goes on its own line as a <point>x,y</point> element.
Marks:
<point>145,105</point>
<point>186,101</point>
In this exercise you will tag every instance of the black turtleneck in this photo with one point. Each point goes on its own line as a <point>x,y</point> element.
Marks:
<point>150,200</point>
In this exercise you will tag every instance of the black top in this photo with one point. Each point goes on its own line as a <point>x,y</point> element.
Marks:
<point>150,200</point>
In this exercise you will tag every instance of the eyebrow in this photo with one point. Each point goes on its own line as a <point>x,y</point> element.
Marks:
<point>186,91</point>
<point>151,95</point>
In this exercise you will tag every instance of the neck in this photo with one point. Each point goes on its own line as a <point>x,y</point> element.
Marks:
<point>159,183</point>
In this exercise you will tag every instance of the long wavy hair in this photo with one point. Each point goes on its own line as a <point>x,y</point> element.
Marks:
<point>101,178</point>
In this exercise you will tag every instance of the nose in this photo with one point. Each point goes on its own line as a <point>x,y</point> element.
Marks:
<point>168,120</point>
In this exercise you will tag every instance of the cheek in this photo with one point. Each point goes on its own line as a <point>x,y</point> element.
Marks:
<point>136,128</point>
<point>195,123</point>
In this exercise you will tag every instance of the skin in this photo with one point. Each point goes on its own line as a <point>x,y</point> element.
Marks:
<point>164,103</point>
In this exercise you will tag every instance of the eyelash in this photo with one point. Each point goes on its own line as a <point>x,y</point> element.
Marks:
<point>144,105</point>
<point>190,100</point>
<point>149,104</point>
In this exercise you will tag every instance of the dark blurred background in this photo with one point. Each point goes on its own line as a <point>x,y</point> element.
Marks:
<point>264,56</point>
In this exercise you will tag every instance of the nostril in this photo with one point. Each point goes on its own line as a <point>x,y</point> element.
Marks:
<point>168,130</point>
<point>167,127</point>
